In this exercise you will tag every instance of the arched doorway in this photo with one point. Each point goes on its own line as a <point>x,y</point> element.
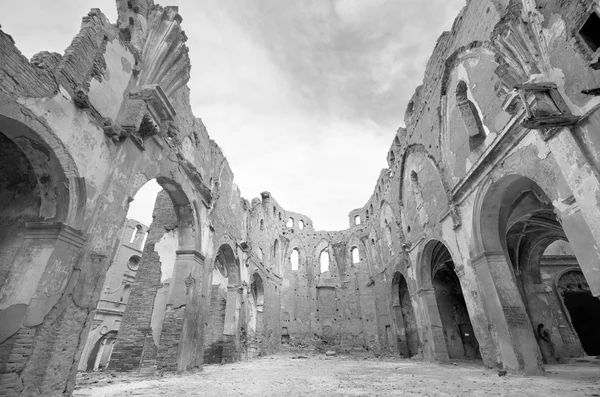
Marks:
<point>580,307</point>
<point>222,334</point>
<point>538,250</point>
<point>517,232</point>
<point>459,336</point>
<point>101,352</point>
<point>406,325</point>
<point>159,323</point>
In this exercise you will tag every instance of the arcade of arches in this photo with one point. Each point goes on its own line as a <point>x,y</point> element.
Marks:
<point>479,242</point>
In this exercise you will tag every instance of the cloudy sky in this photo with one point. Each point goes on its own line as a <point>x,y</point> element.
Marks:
<point>304,97</point>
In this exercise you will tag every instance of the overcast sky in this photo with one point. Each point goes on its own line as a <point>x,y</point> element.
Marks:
<point>303,96</point>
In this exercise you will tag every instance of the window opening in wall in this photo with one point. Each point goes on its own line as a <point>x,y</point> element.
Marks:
<point>275,249</point>
<point>470,116</point>
<point>590,31</point>
<point>290,222</point>
<point>301,224</point>
<point>355,255</point>
<point>280,216</point>
<point>136,231</point>
<point>262,224</point>
<point>295,258</point>
<point>134,263</point>
<point>274,211</point>
<point>324,261</point>
<point>125,292</point>
<point>357,220</point>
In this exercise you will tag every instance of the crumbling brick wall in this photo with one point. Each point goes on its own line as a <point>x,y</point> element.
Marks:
<point>134,340</point>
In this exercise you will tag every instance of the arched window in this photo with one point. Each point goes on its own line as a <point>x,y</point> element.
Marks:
<point>290,222</point>
<point>275,249</point>
<point>136,231</point>
<point>355,255</point>
<point>300,224</point>
<point>469,115</point>
<point>324,261</point>
<point>295,258</point>
<point>357,220</point>
<point>418,194</point>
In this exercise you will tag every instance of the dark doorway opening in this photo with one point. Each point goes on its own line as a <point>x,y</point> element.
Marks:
<point>584,310</point>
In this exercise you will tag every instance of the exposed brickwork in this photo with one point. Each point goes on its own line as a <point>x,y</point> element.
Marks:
<point>214,340</point>
<point>168,352</point>
<point>135,331</point>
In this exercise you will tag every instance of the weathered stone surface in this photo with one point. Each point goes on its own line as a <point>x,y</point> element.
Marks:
<point>460,252</point>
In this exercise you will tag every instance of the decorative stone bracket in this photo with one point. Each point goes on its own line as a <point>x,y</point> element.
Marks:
<point>545,108</point>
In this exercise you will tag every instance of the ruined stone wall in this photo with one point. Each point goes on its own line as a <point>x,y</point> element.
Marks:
<point>113,112</point>
<point>131,347</point>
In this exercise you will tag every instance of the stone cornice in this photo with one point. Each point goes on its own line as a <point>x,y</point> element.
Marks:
<point>55,230</point>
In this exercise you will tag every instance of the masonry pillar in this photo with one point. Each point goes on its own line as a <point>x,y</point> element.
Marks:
<point>479,321</point>
<point>583,179</point>
<point>436,330</point>
<point>37,324</point>
<point>516,342</point>
<point>232,317</point>
<point>180,333</point>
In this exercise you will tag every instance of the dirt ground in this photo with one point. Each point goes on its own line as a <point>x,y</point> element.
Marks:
<point>298,374</point>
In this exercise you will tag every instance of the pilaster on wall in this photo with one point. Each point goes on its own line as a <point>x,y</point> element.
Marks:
<point>516,343</point>
<point>38,321</point>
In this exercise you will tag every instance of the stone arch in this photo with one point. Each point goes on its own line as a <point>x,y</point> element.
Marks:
<point>167,284</point>
<point>494,214</point>
<point>64,191</point>
<point>42,205</point>
<point>579,307</point>
<point>223,322</point>
<point>441,293</point>
<point>404,316</point>
<point>422,177</point>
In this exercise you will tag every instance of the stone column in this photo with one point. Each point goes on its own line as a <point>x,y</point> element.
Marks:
<point>583,179</point>
<point>436,329</point>
<point>517,344</point>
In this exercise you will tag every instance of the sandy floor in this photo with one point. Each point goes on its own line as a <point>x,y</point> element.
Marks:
<point>318,375</point>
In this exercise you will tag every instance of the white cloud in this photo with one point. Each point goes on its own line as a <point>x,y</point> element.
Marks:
<point>304,97</point>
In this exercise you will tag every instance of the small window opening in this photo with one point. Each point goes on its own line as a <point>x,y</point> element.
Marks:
<point>136,231</point>
<point>355,255</point>
<point>290,222</point>
<point>133,263</point>
<point>590,31</point>
<point>470,116</point>
<point>301,224</point>
<point>280,216</point>
<point>324,261</point>
<point>295,258</point>
<point>357,220</point>
<point>262,224</point>
<point>274,211</point>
